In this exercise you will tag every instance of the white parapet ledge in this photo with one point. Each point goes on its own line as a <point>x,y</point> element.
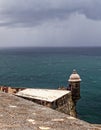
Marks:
<point>48,95</point>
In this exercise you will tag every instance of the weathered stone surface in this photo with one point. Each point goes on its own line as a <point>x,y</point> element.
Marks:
<point>66,105</point>
<point>19,114</point>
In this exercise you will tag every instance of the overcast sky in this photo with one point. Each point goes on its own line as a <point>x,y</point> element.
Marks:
<point>50,23</point>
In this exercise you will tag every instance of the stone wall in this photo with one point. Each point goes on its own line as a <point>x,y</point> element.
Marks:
<point>11,90</point>
<point>66,105</point>
<point>63,104</point>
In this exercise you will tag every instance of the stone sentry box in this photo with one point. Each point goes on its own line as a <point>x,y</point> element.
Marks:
<point>74,85</point>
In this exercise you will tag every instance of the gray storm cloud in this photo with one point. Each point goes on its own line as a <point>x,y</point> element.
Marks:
<point>50,23</point>
<point>29,13</point>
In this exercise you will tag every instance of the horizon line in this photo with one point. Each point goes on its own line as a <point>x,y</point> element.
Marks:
<point>49,47</point>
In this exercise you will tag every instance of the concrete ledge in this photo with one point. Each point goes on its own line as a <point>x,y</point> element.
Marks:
<point>19,114</point>
<point>49,95</point>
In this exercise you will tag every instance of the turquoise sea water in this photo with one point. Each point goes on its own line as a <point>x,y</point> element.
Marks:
<point>51,68</point>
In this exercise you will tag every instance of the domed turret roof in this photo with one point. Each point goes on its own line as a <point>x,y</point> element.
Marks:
<point>74,77</point>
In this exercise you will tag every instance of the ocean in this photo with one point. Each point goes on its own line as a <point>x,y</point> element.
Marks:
<point>50,67</point>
